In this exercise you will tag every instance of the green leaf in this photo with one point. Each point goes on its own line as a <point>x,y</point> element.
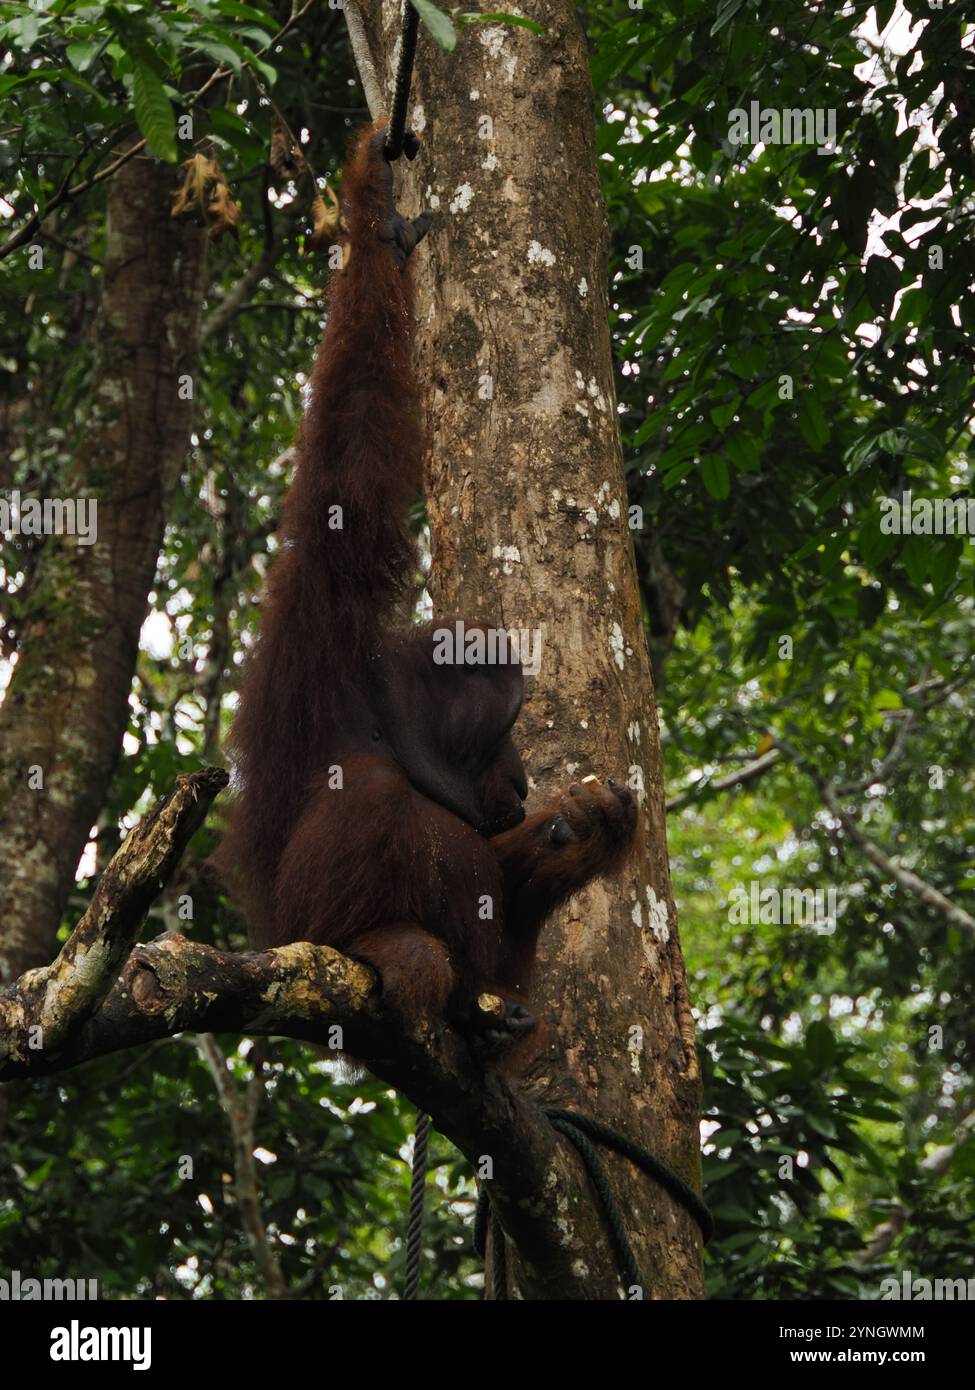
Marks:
<point>812,422</point>
<point>441,28</point>
<point>80,54</point>
<point>822,1122</point>
<point>265,71</point>
<point>723,415</point>
<point>883,281</point>
<point>247,12</point>
<point>24,30</point>
<point>222,53</point>
<point>854,200</point>
<point>714,476</point>
<point>832,549</point>
<point>750,361</point>
<point>820,1045</point>
<point>918,172</point>
<point>502,17</point>
<point>726,13</point>
<point>743,452</point>
<point>766,396</point>
<point>154,112</point>
<point>875,545</point>
<point>944,563</point>
<point>228,126</point>
<point>916,557</point>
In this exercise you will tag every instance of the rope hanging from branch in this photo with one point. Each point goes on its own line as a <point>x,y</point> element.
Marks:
<point>421,1141</point>
<point>580,1130</point>
<point>396,134</point>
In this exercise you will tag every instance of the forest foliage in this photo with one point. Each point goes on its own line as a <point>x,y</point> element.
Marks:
<point>793,332</point>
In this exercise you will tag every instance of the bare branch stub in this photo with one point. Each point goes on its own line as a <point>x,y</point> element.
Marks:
<point>44,1009</point>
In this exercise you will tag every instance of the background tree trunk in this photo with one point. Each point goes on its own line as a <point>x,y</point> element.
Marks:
<point>527,506</point>
<point>66,706</point>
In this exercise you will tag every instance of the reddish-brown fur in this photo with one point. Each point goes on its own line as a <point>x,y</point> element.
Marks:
<point>417,863</point>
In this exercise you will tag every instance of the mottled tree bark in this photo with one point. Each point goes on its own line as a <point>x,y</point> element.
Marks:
<point>66,707</point>
<point>528,516</point>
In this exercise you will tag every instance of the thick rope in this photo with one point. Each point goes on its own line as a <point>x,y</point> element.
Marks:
<point>579,1130</point>
<point>404,75</point>
<point>499,1260</point>
<point>663,1176</point>
<point>620,1241</point>
<point>414,1229</point>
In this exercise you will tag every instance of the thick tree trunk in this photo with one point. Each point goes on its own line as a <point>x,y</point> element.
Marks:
<point>66,707</point>
<point>527,505</point>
